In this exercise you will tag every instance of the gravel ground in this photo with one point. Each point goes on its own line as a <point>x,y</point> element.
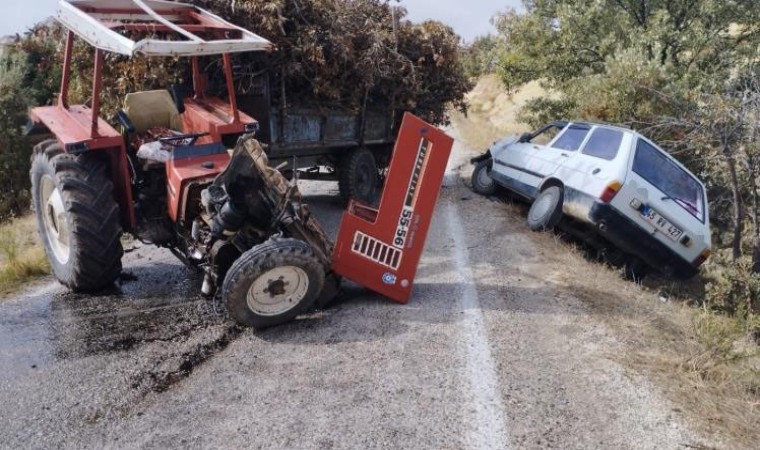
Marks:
<point>489,353</point>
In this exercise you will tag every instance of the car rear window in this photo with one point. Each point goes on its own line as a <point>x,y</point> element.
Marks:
<point>676,183</point>
<point>604,143</point>
<point>572,138</point>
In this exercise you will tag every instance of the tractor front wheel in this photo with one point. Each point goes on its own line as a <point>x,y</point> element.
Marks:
<point>77,217</point>
<point>272,283</point>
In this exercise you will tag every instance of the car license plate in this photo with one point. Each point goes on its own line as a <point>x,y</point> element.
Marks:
<point>662,224</point>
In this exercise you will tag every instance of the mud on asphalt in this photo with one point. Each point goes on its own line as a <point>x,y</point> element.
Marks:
<point>148,332</point>
<point>78,359</point>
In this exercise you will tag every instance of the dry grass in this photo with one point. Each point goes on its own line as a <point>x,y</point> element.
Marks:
<point>22,257</point>
<point>708,365</point>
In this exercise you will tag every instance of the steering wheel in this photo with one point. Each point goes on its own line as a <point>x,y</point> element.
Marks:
<point>181,139</point>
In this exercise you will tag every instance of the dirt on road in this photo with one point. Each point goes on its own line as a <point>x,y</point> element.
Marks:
<point>506,343</point>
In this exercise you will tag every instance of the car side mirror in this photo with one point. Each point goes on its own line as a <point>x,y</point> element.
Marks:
<point>525,137</point>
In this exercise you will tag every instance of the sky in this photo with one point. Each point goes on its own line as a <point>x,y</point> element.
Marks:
<point>468,18</point>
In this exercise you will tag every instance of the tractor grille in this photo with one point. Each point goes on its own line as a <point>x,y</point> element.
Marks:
<point>376,251</point>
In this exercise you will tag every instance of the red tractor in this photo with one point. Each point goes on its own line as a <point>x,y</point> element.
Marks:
<point>164,174</point>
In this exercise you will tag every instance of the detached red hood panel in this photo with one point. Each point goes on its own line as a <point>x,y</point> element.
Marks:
<point>381,248</point>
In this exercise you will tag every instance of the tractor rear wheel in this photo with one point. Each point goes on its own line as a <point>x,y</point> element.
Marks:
<point>272,283</point>
<point>77,217</point>
<point>359,177</point>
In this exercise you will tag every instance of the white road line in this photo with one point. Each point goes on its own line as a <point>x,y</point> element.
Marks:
<point>485,411</point>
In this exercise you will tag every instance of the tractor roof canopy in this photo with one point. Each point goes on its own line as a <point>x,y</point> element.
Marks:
<point>155,28</point>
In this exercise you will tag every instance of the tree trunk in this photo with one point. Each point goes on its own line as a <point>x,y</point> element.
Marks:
<point>755,225</point>
<point>738,208</point>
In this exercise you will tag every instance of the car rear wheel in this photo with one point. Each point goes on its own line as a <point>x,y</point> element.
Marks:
<point>482,183</point>
<point>272,283</point>
<point>546,211</point>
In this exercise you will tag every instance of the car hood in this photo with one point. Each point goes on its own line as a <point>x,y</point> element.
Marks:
<point>502,145</point>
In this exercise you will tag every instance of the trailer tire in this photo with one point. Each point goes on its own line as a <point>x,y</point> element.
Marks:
<point>77,217</point>
<point>358,177</point>
<point>297,278</point>
<point>482,183</point>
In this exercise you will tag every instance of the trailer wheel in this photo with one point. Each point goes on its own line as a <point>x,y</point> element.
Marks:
<point>77,217</point>
<point>272,283</point>
<point>359,177</point>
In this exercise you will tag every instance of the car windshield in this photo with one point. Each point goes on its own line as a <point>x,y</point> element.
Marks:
<point>676,183</point>
<point>543,135</point>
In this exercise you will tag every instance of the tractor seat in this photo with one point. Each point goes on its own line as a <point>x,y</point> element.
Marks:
<point>152,109</point>
<point>153,114</point>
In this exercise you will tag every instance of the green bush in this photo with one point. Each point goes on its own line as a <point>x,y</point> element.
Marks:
<point>482,56</point>
<point>732,287</point>
<point>14,147</point>
<point>29,75</point>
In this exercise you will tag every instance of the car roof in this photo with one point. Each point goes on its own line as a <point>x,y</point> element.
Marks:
<point>602,124</point>
<point>627,129</point>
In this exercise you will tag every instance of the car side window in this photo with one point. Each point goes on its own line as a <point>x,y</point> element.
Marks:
<point>572,138</point>
<point>604,143</point>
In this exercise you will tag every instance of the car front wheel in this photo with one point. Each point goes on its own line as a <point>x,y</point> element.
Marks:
<point>482,183</point>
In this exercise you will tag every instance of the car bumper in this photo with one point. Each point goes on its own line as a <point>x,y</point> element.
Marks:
<point>625,234</point>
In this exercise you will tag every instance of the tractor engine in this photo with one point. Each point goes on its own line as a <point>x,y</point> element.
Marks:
<point>246,205</point>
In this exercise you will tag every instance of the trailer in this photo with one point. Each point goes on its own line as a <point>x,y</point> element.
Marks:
<point>325,142</point>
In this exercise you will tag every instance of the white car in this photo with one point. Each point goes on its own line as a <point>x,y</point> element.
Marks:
<point>612,186</point>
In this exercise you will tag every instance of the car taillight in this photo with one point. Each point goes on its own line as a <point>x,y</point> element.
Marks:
<point>702,258</point>
<point>610,191</point>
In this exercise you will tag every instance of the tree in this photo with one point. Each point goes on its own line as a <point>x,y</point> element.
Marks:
<point>482,56</point>
<point>564,40</point>
<point>13,158</point>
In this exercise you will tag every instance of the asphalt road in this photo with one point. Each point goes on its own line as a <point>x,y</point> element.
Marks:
<point>488,354</point>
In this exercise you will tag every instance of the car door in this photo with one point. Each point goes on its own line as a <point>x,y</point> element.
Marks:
<point>509,160</point>
<point>601,161</point>
<point>546,160</point>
